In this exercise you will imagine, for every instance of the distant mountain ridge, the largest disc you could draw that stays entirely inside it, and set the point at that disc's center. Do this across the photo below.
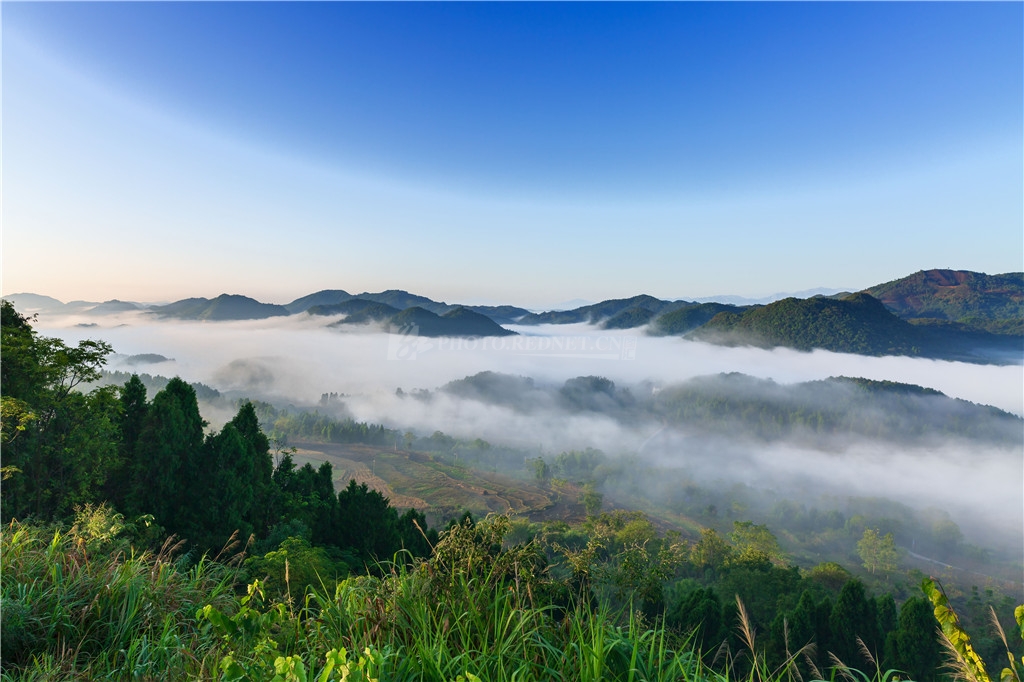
(953, 314)
(993, 303)
(224, 307)
(857, 323)
(599, 312)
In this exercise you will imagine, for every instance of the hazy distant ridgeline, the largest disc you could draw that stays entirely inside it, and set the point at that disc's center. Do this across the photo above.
(735, 404)
(950, 314)
(740, 406)
(824, 413)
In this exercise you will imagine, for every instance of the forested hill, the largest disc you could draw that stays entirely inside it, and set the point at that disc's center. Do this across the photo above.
(948, 314)
(336, 301)
(458, 322)
(641, 308)
(991, 302)
(737, 405)
(858, 323)
(224, 307)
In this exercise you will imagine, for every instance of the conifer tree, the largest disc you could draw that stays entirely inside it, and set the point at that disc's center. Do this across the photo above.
(915, 644)
(260, 514)
(852, 616)
(168, 458)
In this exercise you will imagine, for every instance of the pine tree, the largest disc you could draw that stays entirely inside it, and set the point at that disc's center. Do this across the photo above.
(260, 515)
(852, 616)
(915, 643)
(133, 408)
(168, 459)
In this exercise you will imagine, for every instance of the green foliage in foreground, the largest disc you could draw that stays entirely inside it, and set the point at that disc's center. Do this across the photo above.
(82, 604)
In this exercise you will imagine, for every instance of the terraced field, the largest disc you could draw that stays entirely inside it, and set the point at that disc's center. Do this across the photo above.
(415, 479)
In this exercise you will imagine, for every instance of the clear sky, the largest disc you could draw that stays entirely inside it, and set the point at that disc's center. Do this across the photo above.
(522, 153)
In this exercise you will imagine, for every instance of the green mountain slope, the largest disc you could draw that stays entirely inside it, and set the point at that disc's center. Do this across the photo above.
(340, 302)
(690, 317)
(36, 303)
(113, 307)
(991, 302)
(365, 309)
(402, 300)
(365, 312)
(458, 322)
(856, 324)
(629, 318)
(224, 307)
(741, 405)
(470, 323)
(502, 314)
(601, 311)
(325, 297)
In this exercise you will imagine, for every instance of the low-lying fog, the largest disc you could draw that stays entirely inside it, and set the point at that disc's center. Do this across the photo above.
(299, 359)
(296, 359)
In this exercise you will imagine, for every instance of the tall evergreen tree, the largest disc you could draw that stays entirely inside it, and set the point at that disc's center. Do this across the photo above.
(168, 458)
(852, 616)
(885, 614)
(132, 415)
(367, 523)
(246, 423)
(802, 629)
(227, 489)
(700, 613)
(915, 644)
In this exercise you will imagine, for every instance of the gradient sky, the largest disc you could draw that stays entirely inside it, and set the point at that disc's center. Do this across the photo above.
(521, 153)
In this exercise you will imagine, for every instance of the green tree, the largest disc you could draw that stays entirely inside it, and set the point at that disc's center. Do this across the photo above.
(915, 645)
(886, 615)
(853, 616)
(293, 567)
(416, 536)
(711, 551)
(168, 465)
(947, 535)
(878, 552)
(829, 575)
(541, 469)
(227, 487)
(133, 408)
(699, 613)
(366, 523)
(59, 444)
(807, 623)
(753, 540)
(591, 500)
(259, 467)
(21, 375)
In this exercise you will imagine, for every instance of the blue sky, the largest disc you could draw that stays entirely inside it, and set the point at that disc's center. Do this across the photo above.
(522, 153)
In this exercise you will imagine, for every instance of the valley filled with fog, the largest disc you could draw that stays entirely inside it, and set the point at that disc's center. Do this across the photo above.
(523, 400)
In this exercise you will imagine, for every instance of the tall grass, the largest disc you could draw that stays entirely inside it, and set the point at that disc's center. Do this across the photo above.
(81, 604)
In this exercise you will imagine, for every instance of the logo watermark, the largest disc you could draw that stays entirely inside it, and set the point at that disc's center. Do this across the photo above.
(407, 344)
